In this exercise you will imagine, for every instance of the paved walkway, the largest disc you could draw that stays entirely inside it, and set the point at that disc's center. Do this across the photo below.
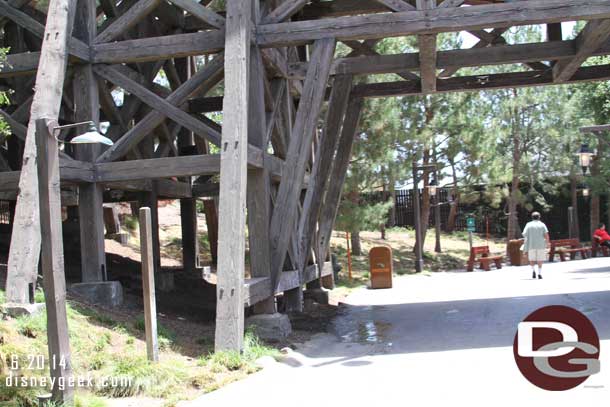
(444, 339)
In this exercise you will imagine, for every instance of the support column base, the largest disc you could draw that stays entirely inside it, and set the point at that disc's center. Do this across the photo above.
(17, 310)
(105, 293)
(270, 327)
(319, 295)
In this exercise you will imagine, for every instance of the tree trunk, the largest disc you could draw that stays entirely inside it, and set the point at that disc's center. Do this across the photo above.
(382, 225)
(453, 209)
(355, 241)
(392, 188)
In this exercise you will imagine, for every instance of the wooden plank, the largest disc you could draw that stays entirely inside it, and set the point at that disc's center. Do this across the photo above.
(25, 241)
(397, 5)
(183, 166)
(481, 82)
(24, 63)
(74, 47)
(52, 253)
(329, 209)
(299, 151)
(130, 18)
(452, 60)
(427, 52)
(201, 12)
(431, 21)
(201, 82)
(159, 104)
(148, 285)
(155, 48)
(91, 196)
(284, 11)
(205, 105)
(320, 172)
(592, 36)
(258, 192)
(451, 3)
(233, 179)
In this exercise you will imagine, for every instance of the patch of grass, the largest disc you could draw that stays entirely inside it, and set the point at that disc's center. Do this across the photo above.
(130, 222)
(87, 400)
(135, 375)
(165, 335)
(39, 295)
(2, 297)
(11, 396)
(232, 360)
(32, 326)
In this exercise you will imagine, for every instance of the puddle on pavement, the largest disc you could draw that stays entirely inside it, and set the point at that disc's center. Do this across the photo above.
(367, 332)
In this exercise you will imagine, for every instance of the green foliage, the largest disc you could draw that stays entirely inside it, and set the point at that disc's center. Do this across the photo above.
(32, 326)
(355, 216)
(166, 336)
(2, 297)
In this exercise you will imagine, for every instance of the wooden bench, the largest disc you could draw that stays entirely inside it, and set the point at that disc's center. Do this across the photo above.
(481, 255)
(567, 246)
(597, 247)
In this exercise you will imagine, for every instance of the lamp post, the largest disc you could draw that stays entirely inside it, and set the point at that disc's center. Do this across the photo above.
(433, 188)
(419, 261)
(51, 256)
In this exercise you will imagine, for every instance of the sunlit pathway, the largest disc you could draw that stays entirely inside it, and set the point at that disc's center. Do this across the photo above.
(445, 338)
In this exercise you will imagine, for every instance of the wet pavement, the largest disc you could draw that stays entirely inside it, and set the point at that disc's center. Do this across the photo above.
(445, 338)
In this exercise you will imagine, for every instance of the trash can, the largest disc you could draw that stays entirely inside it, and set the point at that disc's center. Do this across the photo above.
(516, 257)
(380, 266)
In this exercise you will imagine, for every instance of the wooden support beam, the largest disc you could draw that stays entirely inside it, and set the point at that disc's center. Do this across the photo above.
(397, 5)
(52, 257)
(162, 106)
(74, 47)
(156, 48)
(284, 11)
(130, 18)
(148, 285)
(299, 150)
(201, 82)
(452, 60)
(320, 172)
(427, 52)
(431, 21)
(451, 3)
(259, 182)
(588, 41)
(480, 82)
(233, 179)
(24, 63)
(201, 12)
(25, 241)
(328, 212)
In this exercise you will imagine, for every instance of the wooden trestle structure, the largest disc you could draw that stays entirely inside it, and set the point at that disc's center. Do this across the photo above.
(281, 172)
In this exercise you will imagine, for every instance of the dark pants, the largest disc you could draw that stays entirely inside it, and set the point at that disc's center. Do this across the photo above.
(605, 243)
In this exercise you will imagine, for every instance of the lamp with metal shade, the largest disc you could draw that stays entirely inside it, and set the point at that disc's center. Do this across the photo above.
(433, 186)
(584, 188)
(91, 136)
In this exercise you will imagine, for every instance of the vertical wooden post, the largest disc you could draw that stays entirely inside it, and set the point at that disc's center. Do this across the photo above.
(25, 240)
(52, 258)
(148, 284)
(86, 107)
(233, 178)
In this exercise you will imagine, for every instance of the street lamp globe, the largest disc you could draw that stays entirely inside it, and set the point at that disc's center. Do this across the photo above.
(584, 157)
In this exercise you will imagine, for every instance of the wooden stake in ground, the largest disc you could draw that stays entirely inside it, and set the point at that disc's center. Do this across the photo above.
(148, 284)
(25, 241)
(52, 257)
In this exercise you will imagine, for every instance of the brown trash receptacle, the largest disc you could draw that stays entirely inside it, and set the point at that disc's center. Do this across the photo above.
(517, 258)
(380, 263)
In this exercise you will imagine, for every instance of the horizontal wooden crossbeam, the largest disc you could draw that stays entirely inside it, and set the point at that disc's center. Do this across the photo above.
(431, 21)
(481, 82)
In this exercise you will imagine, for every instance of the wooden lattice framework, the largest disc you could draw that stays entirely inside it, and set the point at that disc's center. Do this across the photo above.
(276, 59)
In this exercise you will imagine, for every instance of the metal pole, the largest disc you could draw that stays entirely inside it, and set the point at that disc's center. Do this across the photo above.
(52, 261)
(419, 262)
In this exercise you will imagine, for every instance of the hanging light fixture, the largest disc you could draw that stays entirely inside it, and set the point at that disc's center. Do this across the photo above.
(91, 136)
(584, 158)
(433, 186)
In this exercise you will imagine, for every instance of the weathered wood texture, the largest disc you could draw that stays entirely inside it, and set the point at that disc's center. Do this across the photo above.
(25, 240)
(52, 259)
(431, 21)
(233, 179)
(299, 150)
(148, 285)
(332, 197)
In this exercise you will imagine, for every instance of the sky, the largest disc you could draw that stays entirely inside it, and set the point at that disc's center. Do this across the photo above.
(469, 40)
